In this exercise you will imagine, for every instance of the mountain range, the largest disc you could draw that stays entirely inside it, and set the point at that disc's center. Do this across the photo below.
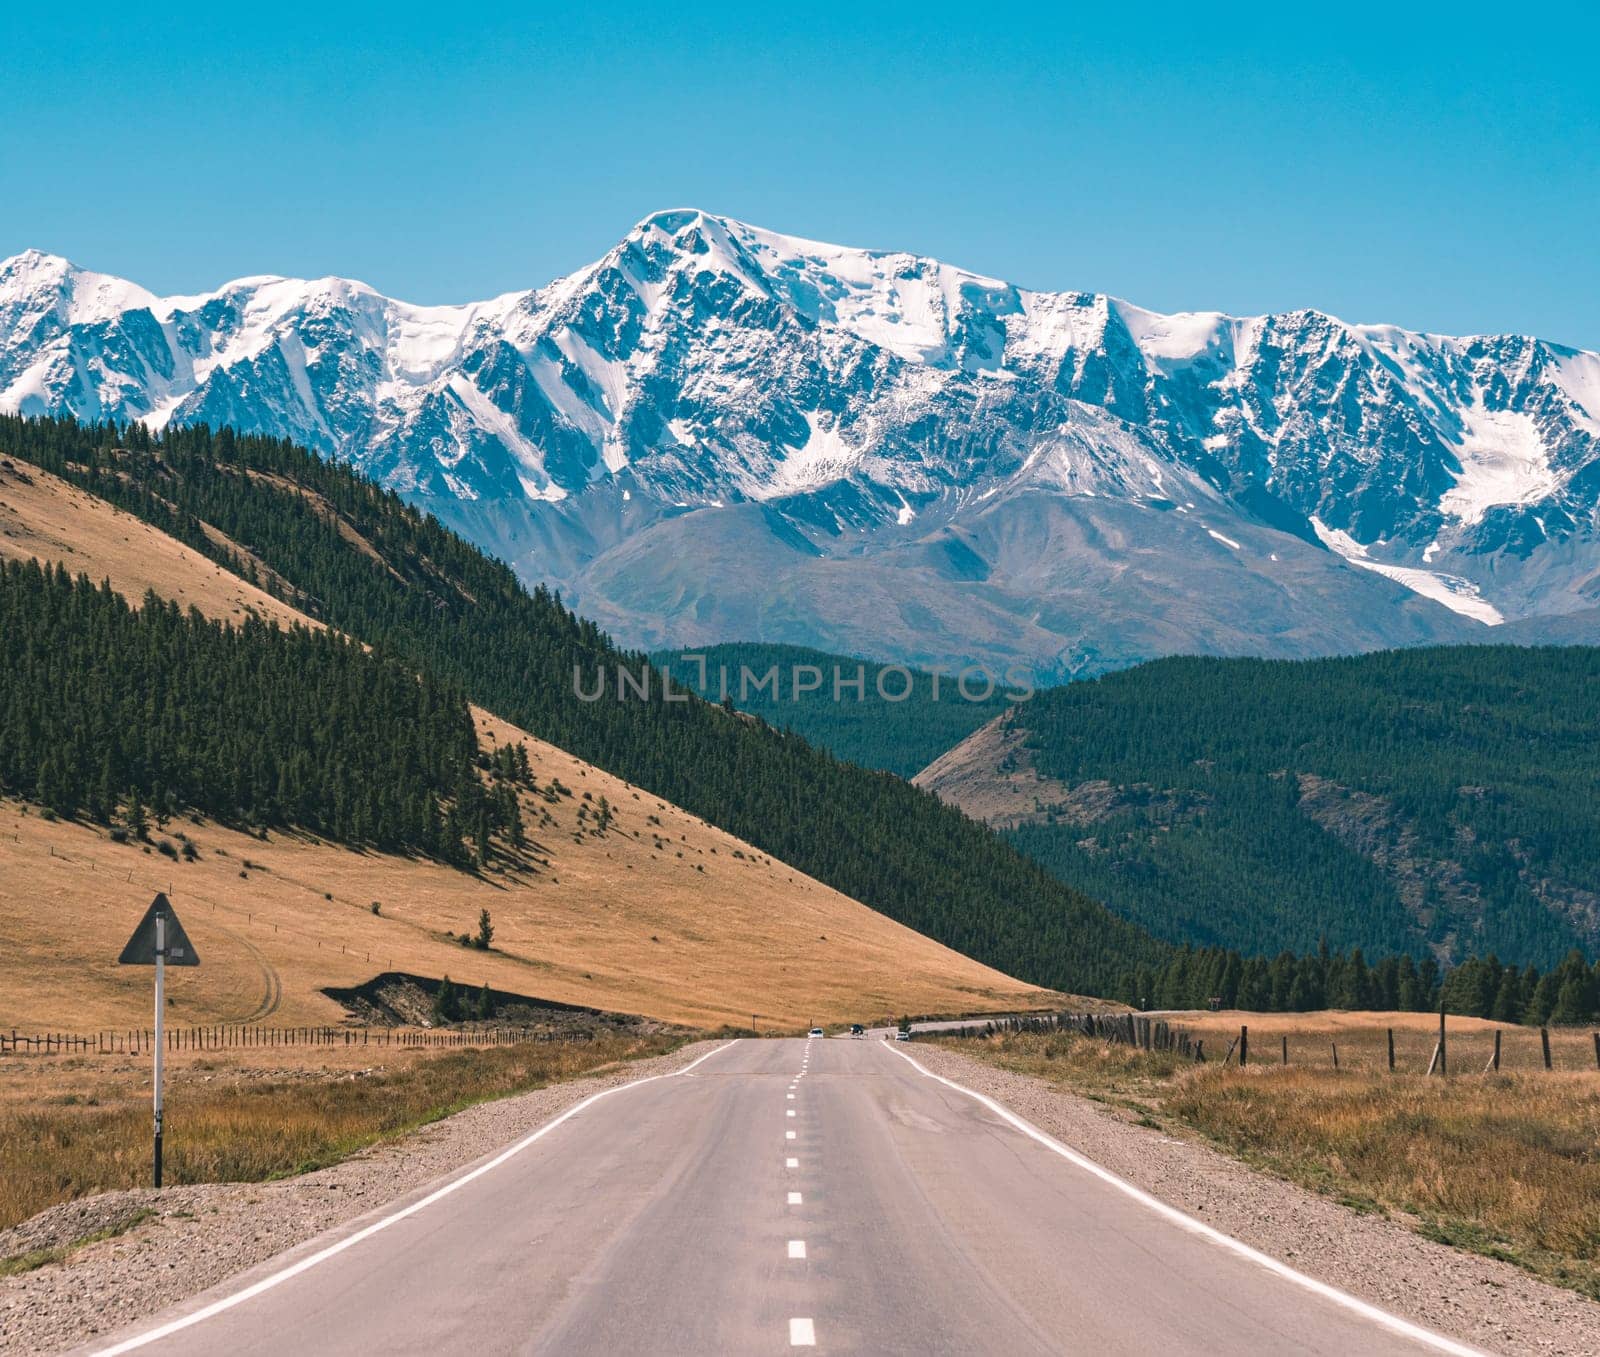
(717, 432)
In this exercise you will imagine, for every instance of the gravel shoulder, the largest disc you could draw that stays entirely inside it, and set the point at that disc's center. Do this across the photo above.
(1494, 1305)
(170, 1245)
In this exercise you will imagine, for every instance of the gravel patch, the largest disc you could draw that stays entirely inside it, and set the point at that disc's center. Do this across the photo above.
(1494, 1305)
(198, 1236)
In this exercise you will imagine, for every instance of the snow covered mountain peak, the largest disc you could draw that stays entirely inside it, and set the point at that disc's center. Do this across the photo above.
(869, 397)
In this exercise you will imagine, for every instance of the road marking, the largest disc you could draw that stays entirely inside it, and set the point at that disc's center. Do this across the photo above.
(797, 1248)
(794, 1199)
(349, 1241)
(1383, 1318)
(791, 1163)
(789, 1113)
(791, 1096)
(788, 1135)
(802, 1333)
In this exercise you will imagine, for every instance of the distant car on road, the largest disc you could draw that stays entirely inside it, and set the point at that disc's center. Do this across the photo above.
(857, 1030)
(816, 1032)
(902, 1035)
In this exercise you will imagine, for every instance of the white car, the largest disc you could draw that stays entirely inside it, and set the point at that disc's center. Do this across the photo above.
(902, 1035)
(816, 1032)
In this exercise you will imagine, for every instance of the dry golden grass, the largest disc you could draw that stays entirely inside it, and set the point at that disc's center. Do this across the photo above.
(1507, 1165)
(664, 915)
(51, 520)
(245, 1127)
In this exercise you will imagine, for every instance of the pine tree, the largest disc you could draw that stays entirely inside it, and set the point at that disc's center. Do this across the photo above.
(445, 1004)
(134, 819)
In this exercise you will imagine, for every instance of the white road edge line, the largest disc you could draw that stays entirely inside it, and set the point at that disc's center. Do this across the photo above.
(306, 1264)
(1378, 1316)
(802, 1333)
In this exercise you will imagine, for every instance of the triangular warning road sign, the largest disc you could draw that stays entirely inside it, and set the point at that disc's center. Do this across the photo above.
(141, 948)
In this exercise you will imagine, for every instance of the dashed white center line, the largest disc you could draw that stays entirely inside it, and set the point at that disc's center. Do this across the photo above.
(789, 1113)
(794, 1199)
(802, 1333)
(791, 1097)
(788, 1135)
(797, 1248)
(791, 1163)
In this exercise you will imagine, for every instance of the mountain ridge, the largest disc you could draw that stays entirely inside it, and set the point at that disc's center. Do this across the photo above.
(846, 420)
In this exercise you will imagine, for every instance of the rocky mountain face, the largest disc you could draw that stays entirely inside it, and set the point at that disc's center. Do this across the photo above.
(716, 432)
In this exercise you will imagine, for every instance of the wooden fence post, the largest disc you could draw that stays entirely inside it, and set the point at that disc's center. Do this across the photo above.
(1286, 1050)
(1597, 1050)
(1494, 1062)
(1244, 1046)
(1391, 1050)
(1544, 1041)
(1444, 1058)
(1335, 1046)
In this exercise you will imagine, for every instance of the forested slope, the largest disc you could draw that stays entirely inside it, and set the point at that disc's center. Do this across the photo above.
(1440, 799)
(356, 557)
(108, 710)
(881, 716)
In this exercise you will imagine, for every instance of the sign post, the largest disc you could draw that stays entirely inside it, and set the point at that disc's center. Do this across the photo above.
(158, 939)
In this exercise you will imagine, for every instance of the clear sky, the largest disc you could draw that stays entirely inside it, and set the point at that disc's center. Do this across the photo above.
(1440, 171)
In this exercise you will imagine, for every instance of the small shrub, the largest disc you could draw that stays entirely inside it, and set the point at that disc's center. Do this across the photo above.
(167, 849)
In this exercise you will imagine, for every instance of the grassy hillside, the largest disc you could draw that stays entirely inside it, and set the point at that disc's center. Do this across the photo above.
(353, 556)
(1440, 799)
(658, 913)
(898, 720)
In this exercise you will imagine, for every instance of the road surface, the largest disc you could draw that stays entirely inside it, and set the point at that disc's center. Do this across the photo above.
(778, 1194)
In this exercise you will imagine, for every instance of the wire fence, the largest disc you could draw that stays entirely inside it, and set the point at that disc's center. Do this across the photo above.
(236, 1036)
(1471, 1049)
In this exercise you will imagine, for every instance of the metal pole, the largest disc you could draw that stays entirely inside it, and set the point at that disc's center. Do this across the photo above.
(161, 986)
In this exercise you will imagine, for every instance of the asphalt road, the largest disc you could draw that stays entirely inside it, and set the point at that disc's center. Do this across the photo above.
(777, 1194)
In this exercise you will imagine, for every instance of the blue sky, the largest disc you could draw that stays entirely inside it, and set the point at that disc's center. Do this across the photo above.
(1439, 171)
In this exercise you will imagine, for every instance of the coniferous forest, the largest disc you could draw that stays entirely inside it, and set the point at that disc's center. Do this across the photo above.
(113, 712)
(1439, 799)
(879, 716)
(1568, 992)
